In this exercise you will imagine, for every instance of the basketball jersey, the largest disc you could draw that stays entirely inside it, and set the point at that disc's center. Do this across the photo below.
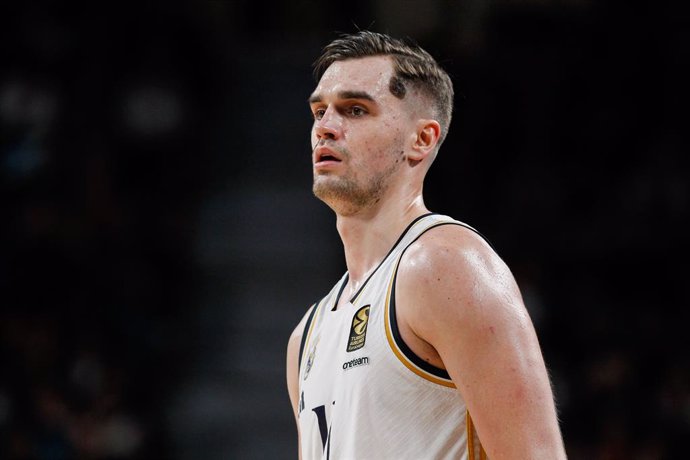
(363, 393)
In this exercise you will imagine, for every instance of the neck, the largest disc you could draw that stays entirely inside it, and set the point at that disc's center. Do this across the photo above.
(368, 235)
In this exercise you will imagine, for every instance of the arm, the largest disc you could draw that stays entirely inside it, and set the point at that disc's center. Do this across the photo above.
(460, 309)
(292, 368)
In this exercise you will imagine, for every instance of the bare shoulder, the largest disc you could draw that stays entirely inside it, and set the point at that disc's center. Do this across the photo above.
(448, 245)
(299, 329)
(296, 336)
(451, 270)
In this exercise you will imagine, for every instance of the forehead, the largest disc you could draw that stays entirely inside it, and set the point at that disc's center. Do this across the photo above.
(370, 74)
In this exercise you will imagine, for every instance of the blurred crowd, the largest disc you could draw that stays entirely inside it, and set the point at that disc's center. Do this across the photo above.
(97, 191)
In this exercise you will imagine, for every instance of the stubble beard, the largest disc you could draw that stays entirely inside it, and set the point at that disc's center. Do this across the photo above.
(347, 196)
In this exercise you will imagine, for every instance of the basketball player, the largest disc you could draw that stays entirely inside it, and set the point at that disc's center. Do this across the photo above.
(424, 349)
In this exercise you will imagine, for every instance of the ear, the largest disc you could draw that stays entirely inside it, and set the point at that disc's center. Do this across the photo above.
(427, 135)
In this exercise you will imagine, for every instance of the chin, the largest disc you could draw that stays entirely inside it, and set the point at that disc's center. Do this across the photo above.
(344, 197)
(325, 185)
(323, 192)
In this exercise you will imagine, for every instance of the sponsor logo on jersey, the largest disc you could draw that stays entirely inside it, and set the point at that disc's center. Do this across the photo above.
(363, 361)
(358, 331)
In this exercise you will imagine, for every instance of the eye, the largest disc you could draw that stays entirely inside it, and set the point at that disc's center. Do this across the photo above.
(318, 113)
(357, 111)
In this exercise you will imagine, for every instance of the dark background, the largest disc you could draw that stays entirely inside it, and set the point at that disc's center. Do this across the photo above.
(159, 240)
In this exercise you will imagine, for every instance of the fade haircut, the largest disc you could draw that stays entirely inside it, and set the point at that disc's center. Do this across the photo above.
(412, 66)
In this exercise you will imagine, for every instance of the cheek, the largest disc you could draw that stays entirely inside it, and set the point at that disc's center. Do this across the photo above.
(388, 144)
(394, 131)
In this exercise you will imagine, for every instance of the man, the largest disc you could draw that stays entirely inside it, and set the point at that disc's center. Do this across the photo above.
(424, 348)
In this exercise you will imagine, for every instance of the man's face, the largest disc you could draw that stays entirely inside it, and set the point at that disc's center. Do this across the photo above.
(359, 133)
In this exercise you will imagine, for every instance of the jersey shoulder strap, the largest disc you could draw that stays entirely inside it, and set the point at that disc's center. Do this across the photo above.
(310, 318)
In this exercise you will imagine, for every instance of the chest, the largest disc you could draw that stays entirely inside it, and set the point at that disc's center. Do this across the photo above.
(346, 349)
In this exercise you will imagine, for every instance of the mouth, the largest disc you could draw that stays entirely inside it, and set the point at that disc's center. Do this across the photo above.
(324, 155)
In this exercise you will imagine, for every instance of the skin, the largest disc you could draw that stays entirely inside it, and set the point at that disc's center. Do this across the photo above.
(458, 306)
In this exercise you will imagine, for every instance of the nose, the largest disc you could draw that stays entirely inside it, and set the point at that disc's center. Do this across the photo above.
(329, 126)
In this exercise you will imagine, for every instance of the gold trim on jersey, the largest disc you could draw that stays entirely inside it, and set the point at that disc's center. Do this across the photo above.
(394, 346)
(472, 438)
(307, 342)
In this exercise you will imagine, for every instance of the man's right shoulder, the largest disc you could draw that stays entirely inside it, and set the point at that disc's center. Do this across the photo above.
(447, 243)
(298, 332)
(295, 346)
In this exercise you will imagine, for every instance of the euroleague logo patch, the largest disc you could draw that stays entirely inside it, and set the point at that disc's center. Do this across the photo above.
(358, 330)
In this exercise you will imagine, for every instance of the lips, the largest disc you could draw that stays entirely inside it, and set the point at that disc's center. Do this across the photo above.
(323, 155)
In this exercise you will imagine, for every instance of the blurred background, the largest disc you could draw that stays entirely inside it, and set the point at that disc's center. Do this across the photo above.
(159, 240)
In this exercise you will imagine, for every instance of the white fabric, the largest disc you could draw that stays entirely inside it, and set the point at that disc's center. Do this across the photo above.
(375, 406)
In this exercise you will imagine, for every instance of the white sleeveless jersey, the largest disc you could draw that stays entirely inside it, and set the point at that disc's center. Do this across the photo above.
(363, 393)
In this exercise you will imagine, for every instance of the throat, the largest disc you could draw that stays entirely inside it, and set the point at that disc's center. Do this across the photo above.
(352, 286)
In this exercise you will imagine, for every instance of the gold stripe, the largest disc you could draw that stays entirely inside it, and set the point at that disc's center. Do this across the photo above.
(472, 443)
(391, 342)
(305, 352)
(470, 436)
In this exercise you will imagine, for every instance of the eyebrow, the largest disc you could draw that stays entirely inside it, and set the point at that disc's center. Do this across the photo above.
(344, 95)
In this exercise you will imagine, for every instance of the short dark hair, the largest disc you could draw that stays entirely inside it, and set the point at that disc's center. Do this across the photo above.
(412, 66)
